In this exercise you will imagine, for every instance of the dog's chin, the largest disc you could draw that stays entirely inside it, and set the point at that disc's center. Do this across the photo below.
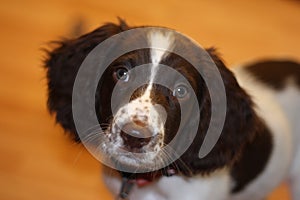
(124, 159)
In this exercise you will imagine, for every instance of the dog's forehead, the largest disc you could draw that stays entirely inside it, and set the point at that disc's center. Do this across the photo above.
(161, 44)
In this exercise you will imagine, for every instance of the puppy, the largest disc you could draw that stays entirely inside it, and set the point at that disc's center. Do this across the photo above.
(256, 150)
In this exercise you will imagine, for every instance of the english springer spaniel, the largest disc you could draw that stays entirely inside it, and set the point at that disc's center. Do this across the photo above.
(258, 147)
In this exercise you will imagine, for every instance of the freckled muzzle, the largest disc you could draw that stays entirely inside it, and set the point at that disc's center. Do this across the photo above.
(139, 126)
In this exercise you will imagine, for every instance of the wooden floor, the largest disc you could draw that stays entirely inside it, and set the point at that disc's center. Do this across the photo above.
(37, 160)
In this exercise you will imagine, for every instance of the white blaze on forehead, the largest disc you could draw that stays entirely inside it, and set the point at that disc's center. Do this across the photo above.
(160, 43)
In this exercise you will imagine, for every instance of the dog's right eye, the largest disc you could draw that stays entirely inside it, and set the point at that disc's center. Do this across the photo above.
(121, 74)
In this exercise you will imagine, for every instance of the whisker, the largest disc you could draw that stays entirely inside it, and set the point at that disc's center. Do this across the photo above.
(91, 136)
(165, 158)
(78, 155)
(94, 132)
(184, 165)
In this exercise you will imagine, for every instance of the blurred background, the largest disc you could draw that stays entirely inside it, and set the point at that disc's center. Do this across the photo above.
(37, 160)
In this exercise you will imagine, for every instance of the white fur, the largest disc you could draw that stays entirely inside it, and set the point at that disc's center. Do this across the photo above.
(213, 187)
(289, 99)
(161, 43)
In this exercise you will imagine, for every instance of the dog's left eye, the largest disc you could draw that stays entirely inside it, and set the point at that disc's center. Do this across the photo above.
(121, 74)
(181, 91)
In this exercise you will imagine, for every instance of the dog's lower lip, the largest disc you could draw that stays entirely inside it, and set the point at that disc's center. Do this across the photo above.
(131, 150)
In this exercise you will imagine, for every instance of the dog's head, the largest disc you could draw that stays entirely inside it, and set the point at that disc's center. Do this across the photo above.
(150, 119)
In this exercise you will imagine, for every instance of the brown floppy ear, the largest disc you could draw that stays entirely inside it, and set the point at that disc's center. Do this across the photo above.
(241, 125)
(62, 66)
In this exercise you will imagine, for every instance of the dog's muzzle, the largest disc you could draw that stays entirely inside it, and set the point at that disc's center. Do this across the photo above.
(135, 135)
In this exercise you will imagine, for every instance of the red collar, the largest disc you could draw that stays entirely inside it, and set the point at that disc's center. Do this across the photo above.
(145, 179)
(141, 180)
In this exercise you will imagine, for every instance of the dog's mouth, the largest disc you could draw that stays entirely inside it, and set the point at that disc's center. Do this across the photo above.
(133, 146)
(137, 138)
(141, 180)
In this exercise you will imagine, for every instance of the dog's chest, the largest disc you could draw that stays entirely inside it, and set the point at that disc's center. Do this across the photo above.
(273, 114)
(215, 186)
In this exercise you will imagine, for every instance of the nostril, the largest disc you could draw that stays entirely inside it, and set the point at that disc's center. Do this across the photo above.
(135, 136)
(138, 122)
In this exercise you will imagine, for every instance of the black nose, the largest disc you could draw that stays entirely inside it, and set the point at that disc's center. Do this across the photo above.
(135, 136)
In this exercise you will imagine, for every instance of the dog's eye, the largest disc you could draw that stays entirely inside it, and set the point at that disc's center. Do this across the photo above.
(121, 74)
(181, 91)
